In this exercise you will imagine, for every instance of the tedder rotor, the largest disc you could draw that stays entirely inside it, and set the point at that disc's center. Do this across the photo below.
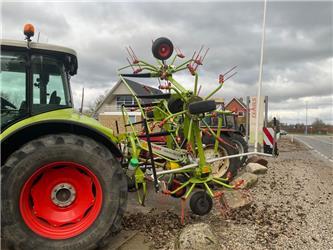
(178, 164)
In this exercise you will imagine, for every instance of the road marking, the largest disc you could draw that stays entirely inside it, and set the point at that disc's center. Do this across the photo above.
(305, 143)
(315, 150)
(317, 139)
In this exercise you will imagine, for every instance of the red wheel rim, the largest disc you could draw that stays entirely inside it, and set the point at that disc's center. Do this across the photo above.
(164, 50)
(61, 200)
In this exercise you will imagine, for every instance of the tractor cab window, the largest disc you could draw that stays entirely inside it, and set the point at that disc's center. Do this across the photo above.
(230, 121)
(50, 84)
(13, 86)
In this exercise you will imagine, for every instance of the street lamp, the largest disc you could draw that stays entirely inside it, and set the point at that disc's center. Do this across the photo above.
(306, 118)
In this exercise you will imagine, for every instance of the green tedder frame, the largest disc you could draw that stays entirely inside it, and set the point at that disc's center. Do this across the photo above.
(184, 150)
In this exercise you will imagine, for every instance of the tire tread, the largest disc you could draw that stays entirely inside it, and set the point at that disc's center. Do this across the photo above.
(88, 145)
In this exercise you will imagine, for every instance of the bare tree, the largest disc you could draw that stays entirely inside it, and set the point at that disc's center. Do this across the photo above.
(92, 107)
(318, 123)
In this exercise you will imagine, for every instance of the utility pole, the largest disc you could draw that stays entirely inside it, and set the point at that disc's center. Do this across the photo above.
(306, 118)
(247, 119)
(260, 79)
(266, 111)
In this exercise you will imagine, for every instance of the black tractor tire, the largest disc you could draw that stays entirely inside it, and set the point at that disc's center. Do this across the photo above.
(201, 107)
(201, 203)
(162, 48)
(242, 146)
(27, 161)
(229, 148)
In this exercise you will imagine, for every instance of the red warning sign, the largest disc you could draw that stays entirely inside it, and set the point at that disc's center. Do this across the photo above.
(269, 136)
(269, 141)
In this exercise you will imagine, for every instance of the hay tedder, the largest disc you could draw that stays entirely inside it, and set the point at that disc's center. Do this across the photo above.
(178, 116)
(65, 177)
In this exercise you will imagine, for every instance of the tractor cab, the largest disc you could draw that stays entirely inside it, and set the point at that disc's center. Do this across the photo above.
(59, 168)
(34, 78)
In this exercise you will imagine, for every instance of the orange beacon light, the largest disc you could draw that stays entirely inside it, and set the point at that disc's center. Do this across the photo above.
(29, 30)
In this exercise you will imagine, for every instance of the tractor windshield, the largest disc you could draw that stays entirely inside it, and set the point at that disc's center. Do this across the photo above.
(50, 84)
(49, 87)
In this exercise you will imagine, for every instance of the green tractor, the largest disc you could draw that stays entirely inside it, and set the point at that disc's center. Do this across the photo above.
(62, 183)
(231, 132)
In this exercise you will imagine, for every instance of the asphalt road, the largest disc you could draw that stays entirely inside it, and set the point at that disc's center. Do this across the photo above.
(323, 145)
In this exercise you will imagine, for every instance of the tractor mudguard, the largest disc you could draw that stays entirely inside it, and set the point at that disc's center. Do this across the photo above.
(18, 137)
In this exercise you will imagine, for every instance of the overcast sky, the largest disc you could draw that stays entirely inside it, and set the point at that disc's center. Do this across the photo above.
(298, 60)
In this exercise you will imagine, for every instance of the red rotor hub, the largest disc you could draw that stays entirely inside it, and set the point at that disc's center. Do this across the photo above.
(164, 50)
(61, 200)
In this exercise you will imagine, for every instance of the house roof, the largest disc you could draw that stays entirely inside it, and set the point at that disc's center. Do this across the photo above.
(241, 103)
(141, 89)
(138, 89)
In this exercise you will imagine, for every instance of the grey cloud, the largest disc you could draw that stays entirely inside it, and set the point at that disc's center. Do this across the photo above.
(298, 40)
(48, 19)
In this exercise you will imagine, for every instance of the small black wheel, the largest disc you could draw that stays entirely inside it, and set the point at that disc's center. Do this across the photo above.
(176, 183)
(175, 104)
(162, 48)
(201, 107)
(201, 203)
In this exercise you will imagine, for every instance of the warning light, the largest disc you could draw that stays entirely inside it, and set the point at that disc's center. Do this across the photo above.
(29, 30)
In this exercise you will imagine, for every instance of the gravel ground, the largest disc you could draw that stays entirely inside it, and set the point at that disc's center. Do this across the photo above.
(292, 209)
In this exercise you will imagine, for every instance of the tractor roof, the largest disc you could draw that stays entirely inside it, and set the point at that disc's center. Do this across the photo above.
(40, 46)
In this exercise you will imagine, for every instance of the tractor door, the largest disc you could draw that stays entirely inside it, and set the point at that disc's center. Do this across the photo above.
(21, 96)
(13, 91)
(50, 84)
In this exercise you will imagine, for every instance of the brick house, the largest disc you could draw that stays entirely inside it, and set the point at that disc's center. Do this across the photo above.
(109, 110)
(238, 107)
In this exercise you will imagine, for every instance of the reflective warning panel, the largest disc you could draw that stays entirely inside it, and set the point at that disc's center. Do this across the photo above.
(269, 140)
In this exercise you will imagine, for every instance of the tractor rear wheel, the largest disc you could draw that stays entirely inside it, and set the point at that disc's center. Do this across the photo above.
(226, 167)
(61, 192)
(241, 145)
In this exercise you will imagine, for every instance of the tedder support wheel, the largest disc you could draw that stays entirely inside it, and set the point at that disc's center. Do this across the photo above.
(201, 107)
(225, 167)
(162, 48)
(241, 145)
(61, 192)
(201, 203)
(175, 104)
